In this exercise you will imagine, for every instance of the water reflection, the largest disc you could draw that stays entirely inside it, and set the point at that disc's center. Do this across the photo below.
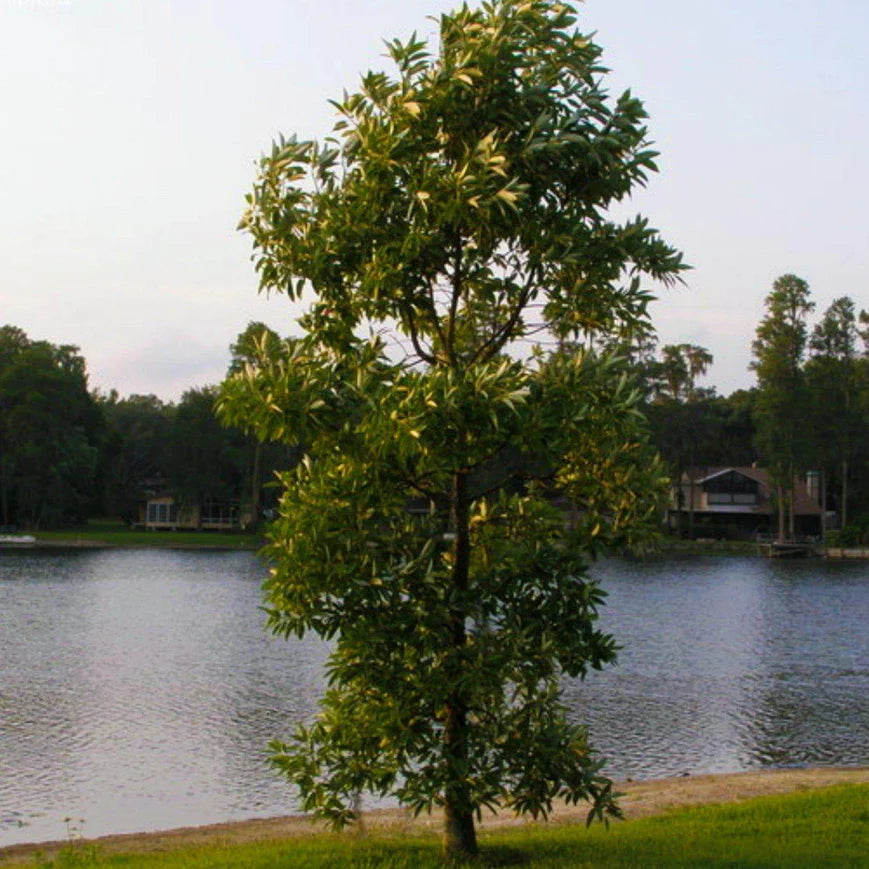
(731, 664)
(138, 689)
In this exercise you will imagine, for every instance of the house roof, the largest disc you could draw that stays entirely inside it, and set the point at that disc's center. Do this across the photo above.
(704, 474)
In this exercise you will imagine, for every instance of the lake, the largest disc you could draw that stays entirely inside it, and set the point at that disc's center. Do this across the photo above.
(139, 690)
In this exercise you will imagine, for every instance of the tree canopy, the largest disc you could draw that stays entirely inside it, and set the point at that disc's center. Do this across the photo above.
(459, 207)
(50, 428)
(779, 349)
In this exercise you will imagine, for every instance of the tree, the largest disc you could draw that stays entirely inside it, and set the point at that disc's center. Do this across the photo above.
(49, 430)
(779, 348)
(134, 456)
(734, 429)
(460, 206)
(256, 341)
(678, 370)
(832, 384)
(205, 461)
(679, 414)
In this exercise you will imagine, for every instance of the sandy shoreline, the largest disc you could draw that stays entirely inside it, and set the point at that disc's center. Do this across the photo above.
(640, 799)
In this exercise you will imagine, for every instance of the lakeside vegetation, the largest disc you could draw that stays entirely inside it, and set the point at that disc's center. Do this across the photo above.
(111, 533)
(68, 454)
(821, 828)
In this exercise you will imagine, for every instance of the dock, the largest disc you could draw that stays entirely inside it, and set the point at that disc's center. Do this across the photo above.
(786, 549)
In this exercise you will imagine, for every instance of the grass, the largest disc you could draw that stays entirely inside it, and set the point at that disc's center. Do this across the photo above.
(819, 828)
(112, 533)
(708, 547)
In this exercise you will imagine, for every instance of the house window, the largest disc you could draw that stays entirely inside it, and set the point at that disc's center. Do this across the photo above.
(161, 513)
(731, 488)
(719, 498)
(223, 515)
(744, 498)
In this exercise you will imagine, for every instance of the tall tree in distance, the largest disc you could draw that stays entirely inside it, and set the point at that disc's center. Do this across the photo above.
(254, 342)
(832, 380)
(679, 415)
(678, 370)
(779, 348)
(460, 206)
(257, 341)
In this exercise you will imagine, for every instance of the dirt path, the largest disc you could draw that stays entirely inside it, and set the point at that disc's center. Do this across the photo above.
(640, 799)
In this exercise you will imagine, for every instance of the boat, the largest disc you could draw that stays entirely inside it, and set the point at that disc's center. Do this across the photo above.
(17, 540)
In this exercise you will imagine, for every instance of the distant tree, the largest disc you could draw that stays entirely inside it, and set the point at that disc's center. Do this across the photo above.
(12, 342)
(678, 370)
(863, 331)
(861, 468)
(254, 343)
(463, 205)
(832, 384)
(135, 451)
(679, 414)
(49, 430)
(206, 462)
(779, 349)
(733, 428)
(257, 340)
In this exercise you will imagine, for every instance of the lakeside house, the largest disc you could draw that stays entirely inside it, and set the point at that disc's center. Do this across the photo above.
(164, 513)
(739, 502)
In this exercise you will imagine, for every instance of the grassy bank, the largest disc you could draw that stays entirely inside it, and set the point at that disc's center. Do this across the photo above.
(704, 546)
(111, 533)
(817, 828)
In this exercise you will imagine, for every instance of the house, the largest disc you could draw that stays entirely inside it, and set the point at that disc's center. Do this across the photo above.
(738, 502)
(163, 512)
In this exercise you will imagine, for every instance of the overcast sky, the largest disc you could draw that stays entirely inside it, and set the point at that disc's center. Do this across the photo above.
(129, 130)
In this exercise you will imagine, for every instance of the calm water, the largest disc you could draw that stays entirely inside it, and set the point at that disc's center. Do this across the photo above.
(138, 689)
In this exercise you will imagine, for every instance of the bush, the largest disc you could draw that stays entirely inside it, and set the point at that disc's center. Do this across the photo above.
(850, 535)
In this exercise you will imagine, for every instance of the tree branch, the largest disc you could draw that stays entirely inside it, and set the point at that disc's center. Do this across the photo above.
(499, 338)
(454, 301)
(436, 322)
(423, 354)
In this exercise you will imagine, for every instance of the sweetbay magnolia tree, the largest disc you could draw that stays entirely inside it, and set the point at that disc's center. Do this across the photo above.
(459, 207)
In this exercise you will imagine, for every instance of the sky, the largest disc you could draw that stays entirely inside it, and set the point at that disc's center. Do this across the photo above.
(130, 132)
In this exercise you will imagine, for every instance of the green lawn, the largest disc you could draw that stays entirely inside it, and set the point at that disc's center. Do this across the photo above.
(113, 533)
(816, 828)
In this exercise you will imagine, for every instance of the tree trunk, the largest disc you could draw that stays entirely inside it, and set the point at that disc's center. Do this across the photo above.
(255, 484)
(781, 514)
(844, 521)
(460, 837)
(5, 496)
(691, 505)
(823, 476)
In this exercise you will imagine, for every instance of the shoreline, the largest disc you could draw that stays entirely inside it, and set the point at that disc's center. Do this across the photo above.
(104, 544)
(639, 799)
(671, 547)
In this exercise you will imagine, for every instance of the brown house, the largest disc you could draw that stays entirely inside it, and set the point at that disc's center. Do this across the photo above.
(738, 501)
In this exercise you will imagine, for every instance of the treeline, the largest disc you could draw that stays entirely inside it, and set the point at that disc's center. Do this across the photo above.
(808, 413)
(68, 453)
